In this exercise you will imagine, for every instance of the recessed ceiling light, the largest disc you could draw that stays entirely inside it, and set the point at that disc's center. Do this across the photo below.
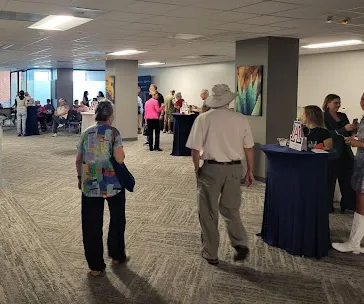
(332, 44)
(152, 63)
(126, 53)
(58, 23)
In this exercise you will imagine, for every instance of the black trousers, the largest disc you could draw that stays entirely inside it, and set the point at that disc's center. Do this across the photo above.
(92, 222)
(43, 124)
(153, 125)
(342, 170)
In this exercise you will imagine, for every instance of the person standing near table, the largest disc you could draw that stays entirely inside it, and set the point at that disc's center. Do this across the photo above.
(204, 94)
(179, 102)
(152, 113)
(21, 109)
(357, 229)
(314, 129)
(225, 139)
(340, 168)
(169, 109)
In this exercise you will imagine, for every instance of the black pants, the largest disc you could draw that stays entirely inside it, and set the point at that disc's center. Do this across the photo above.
(153, 125)
(342, 170)
(92, 222)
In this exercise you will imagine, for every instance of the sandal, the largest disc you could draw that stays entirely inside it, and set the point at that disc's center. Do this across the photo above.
(96, 273)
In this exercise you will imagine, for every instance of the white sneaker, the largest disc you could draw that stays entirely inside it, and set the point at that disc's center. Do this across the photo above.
(60, 126)
(54, 135)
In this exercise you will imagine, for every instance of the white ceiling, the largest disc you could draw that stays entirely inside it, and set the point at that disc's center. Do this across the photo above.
(149, 25)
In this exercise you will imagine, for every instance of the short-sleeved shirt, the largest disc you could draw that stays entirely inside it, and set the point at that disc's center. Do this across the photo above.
(221, 135)
(98, 175)
(169, 106)
(316, 134)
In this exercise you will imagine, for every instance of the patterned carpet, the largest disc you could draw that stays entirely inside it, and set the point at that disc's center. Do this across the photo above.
(41, 253)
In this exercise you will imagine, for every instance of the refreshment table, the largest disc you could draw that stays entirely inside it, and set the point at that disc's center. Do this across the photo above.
(88, 119)
(182, 127)
(296, 215)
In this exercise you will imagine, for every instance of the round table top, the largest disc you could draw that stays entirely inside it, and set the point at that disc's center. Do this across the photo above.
(88, 113)
(286, 150)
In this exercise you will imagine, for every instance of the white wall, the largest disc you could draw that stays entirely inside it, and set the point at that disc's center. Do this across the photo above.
(190, 80)
(339, 73)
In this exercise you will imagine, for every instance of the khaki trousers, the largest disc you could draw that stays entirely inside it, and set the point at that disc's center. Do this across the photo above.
(219, 190)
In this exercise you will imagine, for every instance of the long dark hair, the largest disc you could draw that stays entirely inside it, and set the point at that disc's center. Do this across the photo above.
(85, 95)
(328, 99)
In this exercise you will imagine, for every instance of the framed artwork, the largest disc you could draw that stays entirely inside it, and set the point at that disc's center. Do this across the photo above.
(110, 88)
(249, 88)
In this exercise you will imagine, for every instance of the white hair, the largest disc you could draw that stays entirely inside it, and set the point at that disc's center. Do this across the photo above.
(204, 91)
(178, 95)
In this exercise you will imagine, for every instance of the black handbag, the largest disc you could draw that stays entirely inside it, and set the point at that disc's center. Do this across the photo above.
(126, 179)
(146, 131)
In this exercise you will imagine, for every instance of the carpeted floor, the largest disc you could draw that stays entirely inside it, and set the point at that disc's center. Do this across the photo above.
(41, 253)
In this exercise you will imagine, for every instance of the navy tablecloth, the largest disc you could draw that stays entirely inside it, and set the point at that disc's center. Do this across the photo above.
(182, 128)
(32, 121)
(296, 216)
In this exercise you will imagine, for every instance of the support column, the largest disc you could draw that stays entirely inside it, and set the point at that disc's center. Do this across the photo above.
(63, 86)
(279, 58)
(126, 92)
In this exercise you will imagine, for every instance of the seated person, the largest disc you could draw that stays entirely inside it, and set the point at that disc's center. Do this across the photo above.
(314, 130)
(75, 104)
(60, 116)
(49, 111)
(82, 107)
(41, 111)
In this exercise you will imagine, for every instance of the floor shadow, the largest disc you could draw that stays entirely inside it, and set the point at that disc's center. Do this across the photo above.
(289, 285)
(141, 290)
(102, 291)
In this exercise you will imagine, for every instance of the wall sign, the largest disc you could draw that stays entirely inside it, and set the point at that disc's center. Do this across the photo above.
(297, 140)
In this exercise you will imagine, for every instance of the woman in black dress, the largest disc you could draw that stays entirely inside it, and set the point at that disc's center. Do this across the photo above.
(341, 167)
(314, 129)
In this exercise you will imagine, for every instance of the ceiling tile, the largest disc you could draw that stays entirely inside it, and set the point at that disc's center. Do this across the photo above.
(235, 27)
(110, 5)
(150, 7)
(125, 17)
(231, 16)
(264, 29)
(36, 8)
(193, 12)
(268, 7)
(264, 20)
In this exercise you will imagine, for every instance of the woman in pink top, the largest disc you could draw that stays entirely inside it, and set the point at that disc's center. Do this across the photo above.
(152, 115)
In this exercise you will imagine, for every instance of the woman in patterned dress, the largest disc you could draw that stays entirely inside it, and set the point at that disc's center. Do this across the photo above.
(357, 230)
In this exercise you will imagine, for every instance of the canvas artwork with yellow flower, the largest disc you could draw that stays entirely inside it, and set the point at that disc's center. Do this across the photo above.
(110, 88)
(249, 88)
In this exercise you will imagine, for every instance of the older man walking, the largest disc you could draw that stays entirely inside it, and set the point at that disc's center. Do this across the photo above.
(223, 140)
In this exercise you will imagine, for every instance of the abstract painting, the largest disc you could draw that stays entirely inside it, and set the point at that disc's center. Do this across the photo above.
(110, 88)
(249, 88)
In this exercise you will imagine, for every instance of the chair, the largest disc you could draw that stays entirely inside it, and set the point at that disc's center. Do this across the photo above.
(74, 118)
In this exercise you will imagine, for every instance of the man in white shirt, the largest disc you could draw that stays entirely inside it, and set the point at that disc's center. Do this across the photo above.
(223, 140)
(60, 116)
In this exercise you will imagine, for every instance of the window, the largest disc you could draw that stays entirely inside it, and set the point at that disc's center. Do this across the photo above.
(39, 84)
(91, 81)
(14, 86)
(5, 89)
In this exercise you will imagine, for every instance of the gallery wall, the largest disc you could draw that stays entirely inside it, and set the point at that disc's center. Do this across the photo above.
(340, 73)
(190, 80)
